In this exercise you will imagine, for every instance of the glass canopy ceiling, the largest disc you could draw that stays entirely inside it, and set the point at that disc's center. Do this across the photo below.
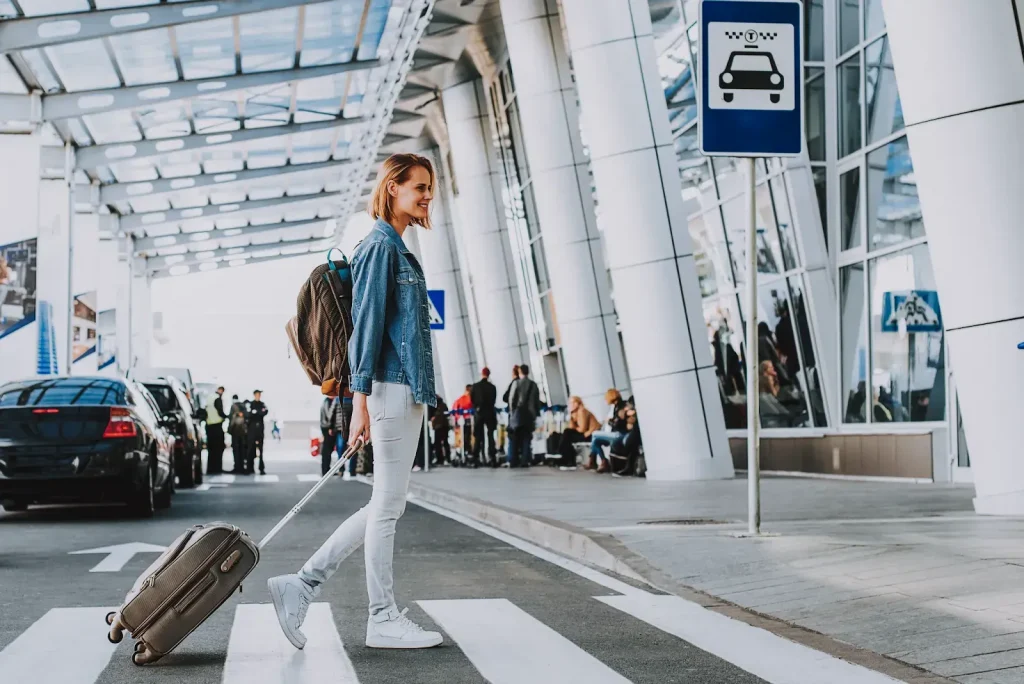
(205, 121)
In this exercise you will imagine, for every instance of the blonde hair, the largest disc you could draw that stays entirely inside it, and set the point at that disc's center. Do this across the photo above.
(612, 396)
(397, 168)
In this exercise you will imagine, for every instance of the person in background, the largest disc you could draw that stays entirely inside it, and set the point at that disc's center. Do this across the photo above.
(330, 435)
(342, 417)
(215, 418)
(484, 396)
(465, 403)
(523, 407)
(613, 433)
(236, 428)
(439, 422)
(254, 429)
(275, 430)
(581, 427)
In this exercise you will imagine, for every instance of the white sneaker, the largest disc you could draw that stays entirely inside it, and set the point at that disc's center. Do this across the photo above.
(391, 629)
(416, 469)
(346, 476)
(291, 596)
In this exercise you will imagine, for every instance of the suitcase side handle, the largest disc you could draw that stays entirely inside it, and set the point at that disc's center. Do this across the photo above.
(349, 453)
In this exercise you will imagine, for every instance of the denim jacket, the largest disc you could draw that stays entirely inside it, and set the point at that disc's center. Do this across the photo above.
(390, 316)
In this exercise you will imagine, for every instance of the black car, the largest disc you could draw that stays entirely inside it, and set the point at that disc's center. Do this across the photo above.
(177, 413)
(751, 71)
(82, 439)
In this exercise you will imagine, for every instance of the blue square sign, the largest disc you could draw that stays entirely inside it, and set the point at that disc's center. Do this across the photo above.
(751, 78)
(436, 299)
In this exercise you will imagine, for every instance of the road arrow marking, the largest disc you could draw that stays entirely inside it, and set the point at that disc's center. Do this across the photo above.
(206, 486)
(119, 554)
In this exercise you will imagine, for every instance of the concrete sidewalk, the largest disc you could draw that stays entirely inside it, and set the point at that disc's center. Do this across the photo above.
(904, 570)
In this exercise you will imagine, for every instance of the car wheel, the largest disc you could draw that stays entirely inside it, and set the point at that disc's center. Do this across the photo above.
(15, 505)
(187, 475)
(143, 503)
(162, 499)
(727, 97)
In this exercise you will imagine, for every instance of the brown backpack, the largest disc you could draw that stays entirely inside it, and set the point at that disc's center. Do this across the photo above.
(321, 328)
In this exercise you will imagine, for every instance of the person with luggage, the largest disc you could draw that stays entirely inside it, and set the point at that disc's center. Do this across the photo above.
(236, 428)
(392, 379)
(582, 425)
(484, 396)
(255, 431)
(463, 409)
(614, 432)
(523, 408)
(438, 417)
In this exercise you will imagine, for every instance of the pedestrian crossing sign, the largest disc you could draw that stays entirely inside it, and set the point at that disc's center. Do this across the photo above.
(436, 299)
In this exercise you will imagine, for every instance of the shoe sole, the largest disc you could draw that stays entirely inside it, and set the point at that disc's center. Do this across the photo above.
(275, 596)
(398, 644)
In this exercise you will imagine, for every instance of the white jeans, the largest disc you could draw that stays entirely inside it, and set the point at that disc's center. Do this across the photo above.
(395, 423)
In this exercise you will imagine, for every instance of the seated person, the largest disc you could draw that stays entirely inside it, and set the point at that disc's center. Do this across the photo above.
(613, 433)
(582, 426)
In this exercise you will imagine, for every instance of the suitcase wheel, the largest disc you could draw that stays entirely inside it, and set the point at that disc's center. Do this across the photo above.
(142, 654)
(115, 635)
(110, 617)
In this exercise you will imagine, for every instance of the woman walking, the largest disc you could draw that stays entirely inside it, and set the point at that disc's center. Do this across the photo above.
(392, 380)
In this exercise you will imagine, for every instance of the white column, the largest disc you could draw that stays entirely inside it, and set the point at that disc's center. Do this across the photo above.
(483, 229)
(640, 213)
(559, 169)
(965, 124)
(452, 345)
(141, 318)
(19, 206)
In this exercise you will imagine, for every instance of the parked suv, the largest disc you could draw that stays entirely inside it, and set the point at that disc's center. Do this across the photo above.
(178, 417)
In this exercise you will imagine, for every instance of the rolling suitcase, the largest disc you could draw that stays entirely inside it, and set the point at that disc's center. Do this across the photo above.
(195, 575)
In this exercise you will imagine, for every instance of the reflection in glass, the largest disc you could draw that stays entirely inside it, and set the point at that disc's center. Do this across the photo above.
(815, 113)
(709, 251)
(849, 105)
(907, 359)
(780, 387)
(849, 24)
(894, 209)
(874, 20)
(768, 255)
(853, 324)
(784, 219)
(821, 190)
(802, 351)
(725, 335)
(885, 114)
(540, 265)
(849, 206)
(814, 30)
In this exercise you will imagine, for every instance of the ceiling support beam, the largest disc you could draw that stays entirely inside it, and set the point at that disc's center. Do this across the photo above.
(151, 244)
(92, 156)
(194, 258)
(25, 33)
(133, 222)
(68, 105)
(116, 192)
(165, 272)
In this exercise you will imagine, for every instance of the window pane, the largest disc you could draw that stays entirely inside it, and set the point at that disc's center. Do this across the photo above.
(885, 115)
(814, 30)
(540, 265)
(849, 203)
(816, 114)
(908, 371)
(854, 352)
(821, 190)
(849, 106)
(849, 24)
(709, 252)
(725, 334)
(769, 253)
(874, 20)
(894, 209)
(808, 359)
(780, 391)
(735, 214)
(784, 218)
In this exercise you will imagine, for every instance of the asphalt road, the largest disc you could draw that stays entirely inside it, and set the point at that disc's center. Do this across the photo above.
(507, 615)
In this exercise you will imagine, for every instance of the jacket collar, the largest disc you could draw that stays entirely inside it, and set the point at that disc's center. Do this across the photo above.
(391, 234)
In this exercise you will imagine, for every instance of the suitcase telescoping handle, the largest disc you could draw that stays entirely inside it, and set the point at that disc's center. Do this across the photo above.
(349, 453)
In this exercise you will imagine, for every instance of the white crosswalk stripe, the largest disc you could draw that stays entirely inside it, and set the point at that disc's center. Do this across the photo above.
(474, 623)
(266, 478)
(65, 646)
(259, 652)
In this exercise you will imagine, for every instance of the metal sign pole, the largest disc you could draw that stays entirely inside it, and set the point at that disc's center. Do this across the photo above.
(753, 395)
(426, 441)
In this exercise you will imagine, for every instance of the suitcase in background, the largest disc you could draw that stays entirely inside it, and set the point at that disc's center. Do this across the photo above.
(195, 575)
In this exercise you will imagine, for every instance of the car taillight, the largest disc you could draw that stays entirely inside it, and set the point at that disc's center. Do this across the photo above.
(50, 410)
(121, 424)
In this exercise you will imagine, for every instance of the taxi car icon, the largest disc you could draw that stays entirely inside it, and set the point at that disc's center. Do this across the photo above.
(751, 71)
